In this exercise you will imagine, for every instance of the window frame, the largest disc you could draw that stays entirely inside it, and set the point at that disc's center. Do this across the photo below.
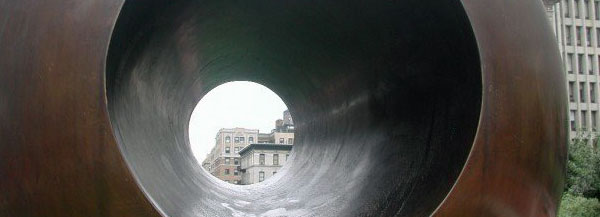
(582, 92)
(261, 176)
(592, 90)
(261, 159)
(573, 120)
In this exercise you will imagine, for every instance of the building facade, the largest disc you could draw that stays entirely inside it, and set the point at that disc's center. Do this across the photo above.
(283, 132)
(223, 161)
(262, 161)
(576, 24)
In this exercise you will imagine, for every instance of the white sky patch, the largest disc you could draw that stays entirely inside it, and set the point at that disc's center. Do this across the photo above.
(234, 104)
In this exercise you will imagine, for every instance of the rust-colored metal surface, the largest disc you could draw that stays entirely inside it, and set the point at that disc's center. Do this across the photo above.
(403, 108)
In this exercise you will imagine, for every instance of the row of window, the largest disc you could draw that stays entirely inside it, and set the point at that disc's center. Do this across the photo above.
(585, 92)
(239, 139)
(236, 150)
(581, 122)
(236, 161)
(579, 33)
(261, 176)
(235, 172)
(290, 141)
(261, 159)
(579, 7)
(584, 65)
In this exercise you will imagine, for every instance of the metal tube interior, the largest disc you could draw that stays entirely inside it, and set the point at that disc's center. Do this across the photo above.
(386, 97)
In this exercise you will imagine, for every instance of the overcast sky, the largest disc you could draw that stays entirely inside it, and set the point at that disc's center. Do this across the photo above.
(234, 104)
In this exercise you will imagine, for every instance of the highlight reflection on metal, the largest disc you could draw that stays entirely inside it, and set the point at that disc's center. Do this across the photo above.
(403, 108)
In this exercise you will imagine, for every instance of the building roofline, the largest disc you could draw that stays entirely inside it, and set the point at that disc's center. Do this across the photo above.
(269, 146)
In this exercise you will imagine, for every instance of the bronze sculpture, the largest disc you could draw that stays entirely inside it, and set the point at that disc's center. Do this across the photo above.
(406, 108)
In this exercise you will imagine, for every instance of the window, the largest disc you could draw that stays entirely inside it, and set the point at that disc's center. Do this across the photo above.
(594, 120)
(242, 139)
(597, 9)
(599, 58)
(250, 139)
(593, 63)
(236, 150)
(261, 176)
(227, 139)
(227, 150)
(587, 9)
(290, 141)
(275, 159)
(571, 91)
(236, 161)
(578, 35)
(236, 172)
(582, 92)
(588, 36)
(261, 159)
(568, 35)
(576, 7)
(567, 8)
(569, 63)
(572, 120)
(281, 140)
(226, 171)
(590, 64)
(227, 161)
(584, 120)
(580, 63)
(597, 37)
(236, 139)
(274, 172)
(286, 157)
(593, 92)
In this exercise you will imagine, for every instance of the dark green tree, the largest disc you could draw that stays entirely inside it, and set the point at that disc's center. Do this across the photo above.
(582, 190)
(577, 206)
(583, 173)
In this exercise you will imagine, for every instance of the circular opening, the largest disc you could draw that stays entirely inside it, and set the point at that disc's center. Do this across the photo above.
(241, 132)
(385, 95)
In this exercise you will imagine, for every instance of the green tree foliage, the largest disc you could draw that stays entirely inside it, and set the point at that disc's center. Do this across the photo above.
(583, 173)
(582, 190)
(577, 206)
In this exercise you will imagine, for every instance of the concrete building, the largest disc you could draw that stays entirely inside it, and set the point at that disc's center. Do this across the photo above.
(261, 161)
(283, 132)
(223, 160)
(576, 24)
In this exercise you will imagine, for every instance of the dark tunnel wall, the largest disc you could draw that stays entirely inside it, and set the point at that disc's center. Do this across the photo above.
(385, 95)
